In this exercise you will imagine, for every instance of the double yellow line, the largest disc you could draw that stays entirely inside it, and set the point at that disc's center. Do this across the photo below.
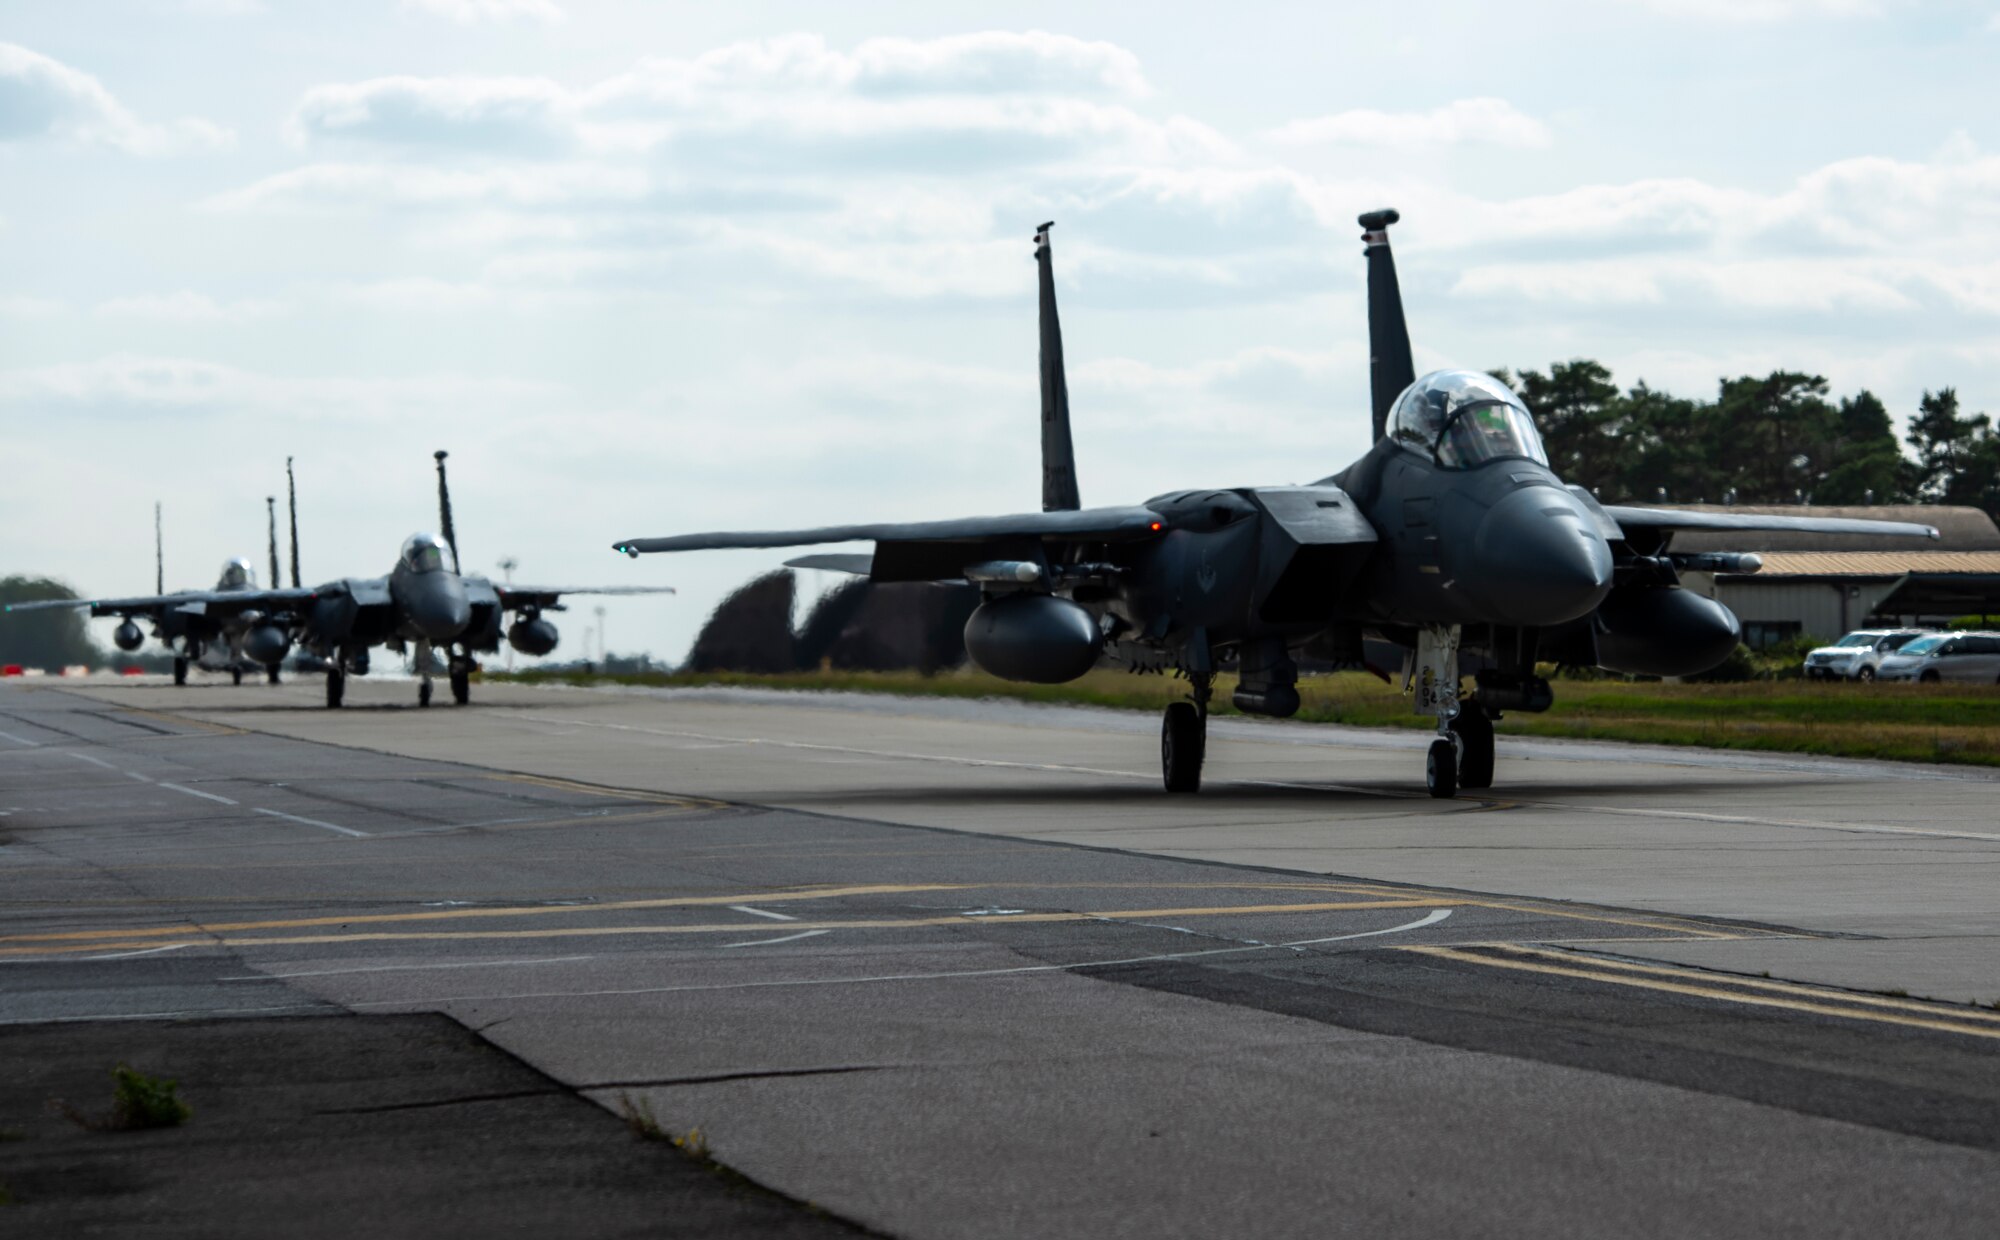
(1751, 991)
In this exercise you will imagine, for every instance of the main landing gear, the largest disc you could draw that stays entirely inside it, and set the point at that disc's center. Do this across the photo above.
(461, 681)
(235, 675)
(1184, 736)
(336, 685)
(271, 673)
(180, 671)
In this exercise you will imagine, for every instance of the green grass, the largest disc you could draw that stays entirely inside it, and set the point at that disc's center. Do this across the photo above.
(1905, 722)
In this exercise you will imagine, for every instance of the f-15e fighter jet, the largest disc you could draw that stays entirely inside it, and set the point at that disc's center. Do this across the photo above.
(1451, 535)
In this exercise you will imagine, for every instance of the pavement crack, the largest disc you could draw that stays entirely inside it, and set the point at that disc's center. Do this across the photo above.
(508, 1096)
(716, 1078)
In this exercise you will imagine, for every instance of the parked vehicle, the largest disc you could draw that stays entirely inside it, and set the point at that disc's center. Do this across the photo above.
(1968, 657)
(1857, 656)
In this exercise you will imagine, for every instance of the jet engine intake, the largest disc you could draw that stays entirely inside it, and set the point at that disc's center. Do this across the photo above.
(266, 643)
(534, 636)
(1033, 637)
(128, 636)
(1663, 631)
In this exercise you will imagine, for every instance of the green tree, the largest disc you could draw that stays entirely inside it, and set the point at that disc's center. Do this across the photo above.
(52, 639)
(1780, 432)
(1958, 457)
(1665, 446)
(1577, 410)
(1867, 464)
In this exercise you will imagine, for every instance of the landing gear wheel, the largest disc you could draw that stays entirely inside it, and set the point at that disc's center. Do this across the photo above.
(1183, 744)
(271, 673)
(1475, 744)
(1441, 768)
(461, 685)
(424, 692)
(336, 687)
(180, 671)
(235, 675)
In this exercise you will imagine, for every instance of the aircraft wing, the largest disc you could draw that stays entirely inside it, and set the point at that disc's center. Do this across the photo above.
(209, 601)
(1677, 519)
(515, 597)
(1076, 525)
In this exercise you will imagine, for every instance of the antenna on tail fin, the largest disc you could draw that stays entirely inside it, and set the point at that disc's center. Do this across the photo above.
(159, 554)
(1059, 490)
(1390, 368)
(444, 514)
(292, 488)
(271, 514)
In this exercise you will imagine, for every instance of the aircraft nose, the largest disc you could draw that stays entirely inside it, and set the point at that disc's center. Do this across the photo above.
(441, 612)
(1538, 559)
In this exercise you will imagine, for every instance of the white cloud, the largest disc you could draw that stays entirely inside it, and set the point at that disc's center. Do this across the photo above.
(44, 98)
(1741, 12)
(1463, 122)
(523, 116)
(184, 307)
(471, 12)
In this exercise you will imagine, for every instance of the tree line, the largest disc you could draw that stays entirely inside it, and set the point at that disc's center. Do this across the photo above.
(1780, 439)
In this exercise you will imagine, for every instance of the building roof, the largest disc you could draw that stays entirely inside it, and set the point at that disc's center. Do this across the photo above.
(1872, 563)
(1959, 529)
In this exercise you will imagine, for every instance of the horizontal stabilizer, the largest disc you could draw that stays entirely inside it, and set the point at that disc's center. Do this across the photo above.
(1678, 519)
(836, 562)
(1082, 525)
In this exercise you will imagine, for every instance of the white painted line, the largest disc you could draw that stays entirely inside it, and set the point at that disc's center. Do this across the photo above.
(21, 740)
(400, 968)
(144, 779)
(1428, 919)
(803, 934)
(151, 951)
(84, 757)
(1749, 820)
(761, 912)
(310, 822)
(196, 792)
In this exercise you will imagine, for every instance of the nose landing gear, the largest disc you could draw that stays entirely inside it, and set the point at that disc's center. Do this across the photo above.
(1184, 736)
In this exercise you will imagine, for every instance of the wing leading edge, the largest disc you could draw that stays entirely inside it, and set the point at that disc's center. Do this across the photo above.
(1086, 524)
(159, 604)
(1680, 519)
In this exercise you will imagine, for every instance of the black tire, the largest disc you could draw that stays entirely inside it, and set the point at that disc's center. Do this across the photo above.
(424, 692)
(461, 685)
(235, 675)
(1183, 745)
(1475, 750)
(1441, 768)
(1930, 678)
(336, 687)
(271, 674)
(180, 671)
(1865, 675)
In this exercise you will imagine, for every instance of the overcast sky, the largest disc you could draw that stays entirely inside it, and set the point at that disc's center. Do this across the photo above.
(647, 269)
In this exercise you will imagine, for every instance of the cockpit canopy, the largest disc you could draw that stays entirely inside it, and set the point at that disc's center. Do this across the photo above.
(423, 553)
(238, 575)
(1462, 418)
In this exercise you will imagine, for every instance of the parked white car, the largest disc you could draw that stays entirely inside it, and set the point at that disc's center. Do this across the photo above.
(1968, 657)
(1859, 655)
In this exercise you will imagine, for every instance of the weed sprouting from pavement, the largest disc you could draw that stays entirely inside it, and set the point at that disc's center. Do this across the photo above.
(694, 1145)
(638, 1116)
(138, 1102)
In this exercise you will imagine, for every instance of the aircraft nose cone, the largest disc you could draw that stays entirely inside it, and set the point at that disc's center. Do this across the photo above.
(1538, 559)
(441, 614)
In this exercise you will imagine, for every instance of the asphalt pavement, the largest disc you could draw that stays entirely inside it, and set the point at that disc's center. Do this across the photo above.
(961, 970)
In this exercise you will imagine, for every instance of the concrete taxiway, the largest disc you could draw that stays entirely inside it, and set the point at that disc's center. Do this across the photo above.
(957, 969)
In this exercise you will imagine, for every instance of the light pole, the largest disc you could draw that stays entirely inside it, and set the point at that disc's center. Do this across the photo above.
(602, 653)
(507, 566)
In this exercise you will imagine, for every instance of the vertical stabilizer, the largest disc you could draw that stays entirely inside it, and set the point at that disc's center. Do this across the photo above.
(444, 514)
(1059, 490)
(159, 554)
(292, 491)
(271, 517)
(1390, 368)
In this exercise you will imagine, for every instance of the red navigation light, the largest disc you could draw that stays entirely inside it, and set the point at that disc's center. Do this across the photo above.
(1156, 527)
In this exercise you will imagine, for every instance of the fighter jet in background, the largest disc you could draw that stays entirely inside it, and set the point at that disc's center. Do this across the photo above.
(423, 609)
(1450, 536)
(234, 628)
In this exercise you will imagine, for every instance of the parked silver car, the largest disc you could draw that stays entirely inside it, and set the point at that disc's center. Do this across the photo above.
(1971, 657)
(1859, 655)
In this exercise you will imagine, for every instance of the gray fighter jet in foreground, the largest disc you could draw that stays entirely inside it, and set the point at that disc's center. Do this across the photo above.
(1450, 536)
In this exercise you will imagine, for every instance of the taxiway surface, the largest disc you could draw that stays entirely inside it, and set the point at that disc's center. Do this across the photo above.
(961, 970)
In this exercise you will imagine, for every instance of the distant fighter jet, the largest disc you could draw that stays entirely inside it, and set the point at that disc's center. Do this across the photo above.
(1450, 535)
(232, 628)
